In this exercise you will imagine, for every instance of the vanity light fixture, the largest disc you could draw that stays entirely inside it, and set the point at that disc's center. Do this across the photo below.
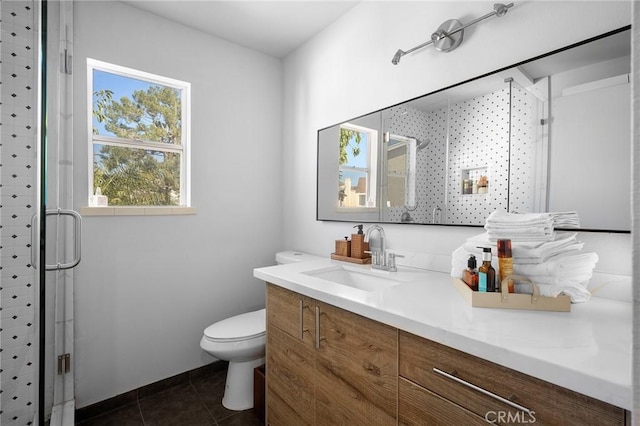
(448, 36)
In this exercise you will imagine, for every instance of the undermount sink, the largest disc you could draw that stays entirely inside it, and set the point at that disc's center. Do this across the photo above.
(366, 280)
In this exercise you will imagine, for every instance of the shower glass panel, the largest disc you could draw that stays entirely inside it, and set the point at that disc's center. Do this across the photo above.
(61, 229)
(37, 306)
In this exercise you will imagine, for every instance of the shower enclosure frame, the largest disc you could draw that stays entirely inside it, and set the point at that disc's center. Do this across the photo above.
(38, 239)
(62, 236)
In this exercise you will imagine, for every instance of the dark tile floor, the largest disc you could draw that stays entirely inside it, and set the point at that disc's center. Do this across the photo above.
(197, 402)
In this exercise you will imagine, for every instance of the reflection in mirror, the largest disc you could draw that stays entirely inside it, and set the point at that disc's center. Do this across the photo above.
(400, 167)
(551, 134)
(591, 122)
(357, 169)
(348, 187)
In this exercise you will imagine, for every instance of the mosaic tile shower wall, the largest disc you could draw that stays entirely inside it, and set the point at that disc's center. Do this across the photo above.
(479, 141)
(478, 129)
(18, 202)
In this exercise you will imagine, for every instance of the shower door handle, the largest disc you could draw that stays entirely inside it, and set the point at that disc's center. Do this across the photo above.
(77, 236)
(34, 243)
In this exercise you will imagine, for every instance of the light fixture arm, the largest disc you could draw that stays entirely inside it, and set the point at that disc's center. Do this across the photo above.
(449, 35)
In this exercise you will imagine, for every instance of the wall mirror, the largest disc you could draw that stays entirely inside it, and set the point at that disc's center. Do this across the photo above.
(549, 134)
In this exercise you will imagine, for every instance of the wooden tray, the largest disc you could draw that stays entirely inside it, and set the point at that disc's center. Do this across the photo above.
(506, 300)
(364, 261)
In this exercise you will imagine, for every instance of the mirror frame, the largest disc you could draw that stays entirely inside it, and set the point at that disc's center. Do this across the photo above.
(499, 70)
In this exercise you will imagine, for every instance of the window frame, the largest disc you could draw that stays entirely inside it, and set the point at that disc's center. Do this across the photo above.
(370, 170)
(184, 147)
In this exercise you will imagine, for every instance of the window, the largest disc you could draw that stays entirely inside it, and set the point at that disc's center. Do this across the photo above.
(357, 170)
(139, 137)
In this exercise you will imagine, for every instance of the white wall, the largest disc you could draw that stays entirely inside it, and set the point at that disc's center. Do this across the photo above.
(148, 286)
(346, 71)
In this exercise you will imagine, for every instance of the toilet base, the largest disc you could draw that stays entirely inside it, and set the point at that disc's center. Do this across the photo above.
(238, 389)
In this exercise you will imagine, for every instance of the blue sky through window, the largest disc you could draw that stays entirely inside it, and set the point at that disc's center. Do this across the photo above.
(121, 86)
(361, 160)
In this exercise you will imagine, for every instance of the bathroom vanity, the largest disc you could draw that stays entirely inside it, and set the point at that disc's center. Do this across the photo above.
(411, 351)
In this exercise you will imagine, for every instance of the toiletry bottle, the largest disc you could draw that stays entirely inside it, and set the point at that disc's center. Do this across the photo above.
(343, 247)
(505, 263)
(358, 246)
(486, 273)
(470, 275)
(99, 200)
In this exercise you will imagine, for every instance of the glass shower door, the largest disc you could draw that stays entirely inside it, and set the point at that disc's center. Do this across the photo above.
(36, 306)
(61, 222)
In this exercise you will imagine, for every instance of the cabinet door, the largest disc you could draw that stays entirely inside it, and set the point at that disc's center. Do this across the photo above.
(290, 358)
(291, 312)
(356, 369)
(290, 380)
(418, 406)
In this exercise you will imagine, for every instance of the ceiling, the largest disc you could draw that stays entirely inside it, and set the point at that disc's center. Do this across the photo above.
(275, 28)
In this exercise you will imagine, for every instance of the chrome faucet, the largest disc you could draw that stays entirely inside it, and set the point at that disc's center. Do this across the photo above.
(378, 257)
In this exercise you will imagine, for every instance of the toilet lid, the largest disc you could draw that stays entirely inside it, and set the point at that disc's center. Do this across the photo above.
(239, 327)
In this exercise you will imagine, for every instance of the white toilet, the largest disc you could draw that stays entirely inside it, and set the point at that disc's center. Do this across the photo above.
(241, 341)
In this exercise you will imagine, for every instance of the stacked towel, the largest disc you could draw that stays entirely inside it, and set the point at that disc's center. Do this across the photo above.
(565, 219)
(527, 252)
(578, 293)
(520, 226)
(554, 261)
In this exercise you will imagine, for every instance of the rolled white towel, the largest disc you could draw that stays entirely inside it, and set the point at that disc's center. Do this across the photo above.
(566, 219)
(576, 279)
(578, 293)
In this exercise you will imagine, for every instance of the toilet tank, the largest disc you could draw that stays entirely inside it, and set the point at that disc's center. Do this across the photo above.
(292, 256)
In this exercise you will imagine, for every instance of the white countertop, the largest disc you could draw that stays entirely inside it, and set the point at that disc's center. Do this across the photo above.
(587, 350)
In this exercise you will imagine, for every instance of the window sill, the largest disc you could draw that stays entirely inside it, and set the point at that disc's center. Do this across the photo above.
(137, 211)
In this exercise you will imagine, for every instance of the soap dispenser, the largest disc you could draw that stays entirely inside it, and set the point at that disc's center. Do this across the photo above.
(358, 246)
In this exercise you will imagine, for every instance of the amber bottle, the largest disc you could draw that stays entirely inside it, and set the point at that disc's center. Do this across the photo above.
(486, 273)
(505, 263)
(470, 275)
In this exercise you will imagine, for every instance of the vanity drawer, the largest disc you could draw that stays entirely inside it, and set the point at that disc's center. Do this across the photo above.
(461, 378)
(418, 406)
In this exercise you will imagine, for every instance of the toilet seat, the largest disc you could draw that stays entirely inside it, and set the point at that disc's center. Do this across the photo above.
(238, 328)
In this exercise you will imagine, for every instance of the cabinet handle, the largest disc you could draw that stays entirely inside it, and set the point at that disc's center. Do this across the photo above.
(301, 319)
(481, 390)
(317, 327)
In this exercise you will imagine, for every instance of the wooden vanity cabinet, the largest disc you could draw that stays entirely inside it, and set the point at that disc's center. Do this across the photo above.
(327, 366)
(460, 378)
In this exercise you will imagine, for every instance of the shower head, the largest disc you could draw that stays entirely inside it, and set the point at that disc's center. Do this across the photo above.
(420, 145)
(397, 56)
